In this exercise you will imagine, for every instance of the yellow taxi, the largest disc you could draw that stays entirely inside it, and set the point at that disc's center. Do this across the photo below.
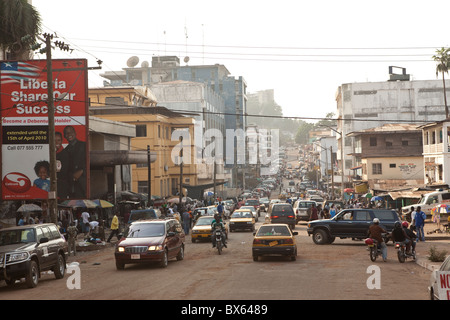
(202, 229)
(274, 239)
(242, 219)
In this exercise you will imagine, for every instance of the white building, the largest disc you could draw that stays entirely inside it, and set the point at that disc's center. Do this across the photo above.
(372, 104)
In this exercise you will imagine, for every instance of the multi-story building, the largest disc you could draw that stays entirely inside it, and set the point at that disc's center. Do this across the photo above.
(389, 157)
(154, 129)
(224, 104)
(436, 153)
(368, 105)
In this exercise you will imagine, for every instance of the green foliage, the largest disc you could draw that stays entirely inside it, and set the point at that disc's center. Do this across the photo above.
(435, 255)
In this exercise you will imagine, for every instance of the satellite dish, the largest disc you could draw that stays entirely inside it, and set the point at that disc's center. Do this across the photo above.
(132, 61)
(186, 59)
(144, 64)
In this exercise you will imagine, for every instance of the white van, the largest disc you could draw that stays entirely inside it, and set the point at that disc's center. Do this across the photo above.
(429, 200)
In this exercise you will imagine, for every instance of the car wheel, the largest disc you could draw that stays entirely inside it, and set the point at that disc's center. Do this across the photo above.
(165, 260)
(60, 267)
(120, 265)
(255, 257)
(32, 277)
(180, 255)
(193, 240)
(11, 282)
(320, 237)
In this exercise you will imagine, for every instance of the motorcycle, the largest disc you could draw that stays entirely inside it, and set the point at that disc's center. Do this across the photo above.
(219, 243)
(374, 251)
(402, 254)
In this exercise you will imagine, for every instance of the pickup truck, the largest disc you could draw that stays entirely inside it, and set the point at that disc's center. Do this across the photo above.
(350, 223)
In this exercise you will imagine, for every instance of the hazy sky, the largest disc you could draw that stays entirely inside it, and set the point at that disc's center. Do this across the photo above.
(304, 50)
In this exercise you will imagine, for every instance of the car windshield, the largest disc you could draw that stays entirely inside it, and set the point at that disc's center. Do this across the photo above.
(241, 214)
(248, 207)
(273, 231)
(204, 222)
(17, 236)
(143, 230)
(252, 202)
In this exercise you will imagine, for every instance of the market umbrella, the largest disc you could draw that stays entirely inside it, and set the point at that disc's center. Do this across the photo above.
(80, 203)
(349, 190)
(441, 208)
(368, 195)
(29, 207)
(103, 203)
(376, 198)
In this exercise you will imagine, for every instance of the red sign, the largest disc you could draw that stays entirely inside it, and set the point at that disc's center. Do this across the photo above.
(25, 142)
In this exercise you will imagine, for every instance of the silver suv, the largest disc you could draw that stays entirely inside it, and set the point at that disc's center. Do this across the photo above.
(302, 209)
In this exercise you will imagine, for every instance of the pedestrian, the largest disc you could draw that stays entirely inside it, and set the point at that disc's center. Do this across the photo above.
(72, 235)
(114, 228)
(419, 222)
(332, 210)
(314, 214)
(220, 209)
(186, 218)
(85, 222)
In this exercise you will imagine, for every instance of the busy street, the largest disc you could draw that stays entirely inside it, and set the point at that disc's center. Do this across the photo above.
(341, 270)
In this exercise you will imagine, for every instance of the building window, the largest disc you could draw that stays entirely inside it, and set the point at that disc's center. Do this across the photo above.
(373, 141)
(141, 130)
(376, 168)
(142, 186)
(388, 143)
(405, 142)
(392, 165)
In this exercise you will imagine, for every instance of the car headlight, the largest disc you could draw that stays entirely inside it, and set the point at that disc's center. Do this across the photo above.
(121, 249)
(231, 222)
(155, 248)
(249, 222)
(14, 257)
(194, 231)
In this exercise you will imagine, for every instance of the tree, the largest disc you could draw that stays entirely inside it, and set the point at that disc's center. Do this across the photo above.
(20, 25)
(442, 57)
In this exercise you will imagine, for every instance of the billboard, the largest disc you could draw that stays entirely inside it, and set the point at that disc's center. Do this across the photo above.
(25, 131)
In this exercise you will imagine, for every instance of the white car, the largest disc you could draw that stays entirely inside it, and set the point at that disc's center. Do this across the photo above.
(433, 288)
(254, 212)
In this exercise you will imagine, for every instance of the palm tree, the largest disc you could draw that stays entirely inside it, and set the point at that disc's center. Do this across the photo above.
(20, 25)
(442, 57)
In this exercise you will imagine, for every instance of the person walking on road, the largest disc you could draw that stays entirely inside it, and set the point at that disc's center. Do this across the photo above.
(419, 222)
(114, 228)
(186, 218)
(72, 238)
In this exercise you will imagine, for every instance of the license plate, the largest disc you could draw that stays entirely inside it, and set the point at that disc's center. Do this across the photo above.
(135, 256)
(273, 243)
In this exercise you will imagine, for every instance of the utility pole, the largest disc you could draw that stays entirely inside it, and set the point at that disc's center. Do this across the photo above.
(149, 176)
(181, 173)
(52, 195)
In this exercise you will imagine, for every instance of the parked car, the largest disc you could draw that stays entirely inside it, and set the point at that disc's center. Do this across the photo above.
(302, 209)
(433, 288)
(350, 223)
(274, 239)
(202, 229)
(282, 213)
(151, 241)
(28, 250)
(242, 219)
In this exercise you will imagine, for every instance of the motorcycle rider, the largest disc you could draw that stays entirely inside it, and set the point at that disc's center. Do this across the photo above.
(375, 232)
(217, 222)
(410, 234)
(399, 235)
